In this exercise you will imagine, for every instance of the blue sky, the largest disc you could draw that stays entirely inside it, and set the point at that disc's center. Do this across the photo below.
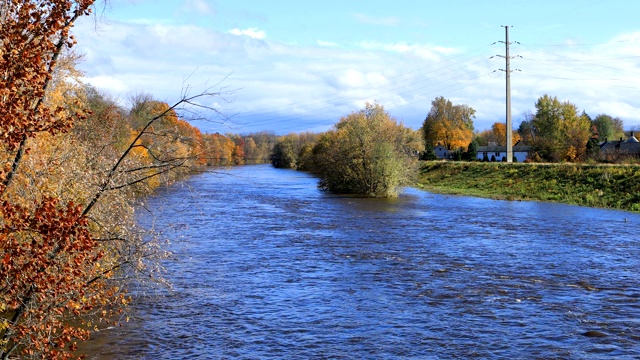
(297, 66)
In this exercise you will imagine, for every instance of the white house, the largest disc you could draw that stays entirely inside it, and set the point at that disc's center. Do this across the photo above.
(520, 152)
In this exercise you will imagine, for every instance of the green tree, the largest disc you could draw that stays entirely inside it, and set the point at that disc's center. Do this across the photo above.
(428, 154)
(561, 134)
(364, 154)
(284, 153)
(448, 124)
(593, 149)
(293, 151)
(472, 150)
(526, 129)
(608, 128)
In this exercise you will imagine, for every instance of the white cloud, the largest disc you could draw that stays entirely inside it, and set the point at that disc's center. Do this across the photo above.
(253, 33)
(287, 87)
(352, 78)
(420, 50)
(110, 84)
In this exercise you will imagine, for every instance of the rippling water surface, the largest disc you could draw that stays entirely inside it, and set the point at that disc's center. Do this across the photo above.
(267, 266)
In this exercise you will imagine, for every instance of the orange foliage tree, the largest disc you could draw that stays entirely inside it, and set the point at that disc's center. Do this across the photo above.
(65, 216)
(48, 256)
(497, 135)
(448, 124)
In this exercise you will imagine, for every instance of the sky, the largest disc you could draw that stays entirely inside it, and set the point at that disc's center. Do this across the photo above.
(295, 66)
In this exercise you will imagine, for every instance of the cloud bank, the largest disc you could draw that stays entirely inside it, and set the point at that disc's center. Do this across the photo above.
(289, 87)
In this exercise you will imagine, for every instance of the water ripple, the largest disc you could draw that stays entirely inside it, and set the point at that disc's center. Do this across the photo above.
(272, 268)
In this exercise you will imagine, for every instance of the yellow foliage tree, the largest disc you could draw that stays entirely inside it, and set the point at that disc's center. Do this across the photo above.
(448, 124)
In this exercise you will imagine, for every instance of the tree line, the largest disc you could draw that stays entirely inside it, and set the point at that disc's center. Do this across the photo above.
(73, 161)
(556, 132)
(369, 153)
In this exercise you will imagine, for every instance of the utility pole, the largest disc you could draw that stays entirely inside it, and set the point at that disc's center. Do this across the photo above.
(508, 81)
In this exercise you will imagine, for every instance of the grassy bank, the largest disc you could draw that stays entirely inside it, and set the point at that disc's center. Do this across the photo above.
(604, 186)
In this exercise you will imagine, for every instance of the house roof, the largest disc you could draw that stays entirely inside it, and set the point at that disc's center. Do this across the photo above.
(629, 146)
(622, 146)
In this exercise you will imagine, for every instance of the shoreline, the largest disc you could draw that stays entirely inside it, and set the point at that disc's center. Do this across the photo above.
(592, 185)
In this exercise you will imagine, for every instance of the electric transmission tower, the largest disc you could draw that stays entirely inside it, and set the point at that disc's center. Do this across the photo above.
(507, 72)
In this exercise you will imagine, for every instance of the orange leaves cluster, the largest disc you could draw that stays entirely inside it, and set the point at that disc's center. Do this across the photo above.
(497, 135)
(221, 150)
(48, 260)
(67, 225)
(31, 35)
(48, 252)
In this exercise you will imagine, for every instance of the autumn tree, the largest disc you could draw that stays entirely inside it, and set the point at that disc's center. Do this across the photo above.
(561, 133)
(364, 154)
(264, 142)
(238, 151)
(171, 146)
(499, 131)
(448, 124)
(250, 150)
(107, 116)
(45, 237)
(226, 150)
(68, 241)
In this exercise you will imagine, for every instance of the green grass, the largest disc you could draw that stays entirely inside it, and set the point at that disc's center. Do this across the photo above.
(604, 186)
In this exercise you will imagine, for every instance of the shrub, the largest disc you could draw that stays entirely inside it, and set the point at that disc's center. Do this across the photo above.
(364, 155)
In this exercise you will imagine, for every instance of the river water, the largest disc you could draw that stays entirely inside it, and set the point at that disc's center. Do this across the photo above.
(266, 266)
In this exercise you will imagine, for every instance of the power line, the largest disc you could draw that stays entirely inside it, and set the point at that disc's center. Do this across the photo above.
(325, 110)
(413, 87)
(581, 44)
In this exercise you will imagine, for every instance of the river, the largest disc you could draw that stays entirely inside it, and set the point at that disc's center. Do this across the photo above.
(266, 266)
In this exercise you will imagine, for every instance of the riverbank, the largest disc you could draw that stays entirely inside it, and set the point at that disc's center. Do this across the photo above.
(603, 186)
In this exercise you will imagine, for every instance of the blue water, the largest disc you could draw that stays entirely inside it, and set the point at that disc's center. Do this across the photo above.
(265, 266)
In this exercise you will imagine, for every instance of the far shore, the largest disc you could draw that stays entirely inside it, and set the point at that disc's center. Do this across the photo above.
(594, 185)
